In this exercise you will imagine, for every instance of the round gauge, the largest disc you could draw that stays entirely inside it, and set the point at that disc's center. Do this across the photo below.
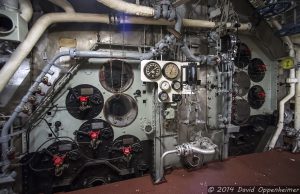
(163, 96)
(176, 85)
(164, 85)
(170, 71)
(152, 70)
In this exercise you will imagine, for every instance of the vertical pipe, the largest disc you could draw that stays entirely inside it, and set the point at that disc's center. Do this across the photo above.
(281, 110)
(297, 96)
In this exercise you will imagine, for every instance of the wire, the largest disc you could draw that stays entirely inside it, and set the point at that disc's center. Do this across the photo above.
(48, 124)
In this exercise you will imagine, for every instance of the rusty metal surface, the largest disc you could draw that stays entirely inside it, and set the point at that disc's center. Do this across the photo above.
(268, 168)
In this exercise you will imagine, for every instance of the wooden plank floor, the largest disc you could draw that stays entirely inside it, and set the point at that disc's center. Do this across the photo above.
(268, 168)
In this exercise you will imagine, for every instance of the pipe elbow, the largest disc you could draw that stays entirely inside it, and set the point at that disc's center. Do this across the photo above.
(203, 151)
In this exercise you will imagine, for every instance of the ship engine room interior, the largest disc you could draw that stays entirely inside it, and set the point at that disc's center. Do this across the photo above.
(149, 96)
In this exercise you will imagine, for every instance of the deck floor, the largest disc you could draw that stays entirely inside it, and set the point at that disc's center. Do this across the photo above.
(269, 168)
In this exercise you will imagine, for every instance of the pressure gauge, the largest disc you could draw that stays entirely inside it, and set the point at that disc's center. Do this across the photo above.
(163, 96)
(164, 85)
(152, 70)
(176, 85)
(170, 71)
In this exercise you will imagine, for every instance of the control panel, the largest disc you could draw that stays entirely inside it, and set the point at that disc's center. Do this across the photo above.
(173, 78)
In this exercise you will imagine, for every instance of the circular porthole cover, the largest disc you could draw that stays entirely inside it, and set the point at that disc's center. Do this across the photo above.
(84, 102)
(94, 137)
(241, 83)
(120, 110)
(243, 56)
(257, 70)
(116, 76)
(256, 97)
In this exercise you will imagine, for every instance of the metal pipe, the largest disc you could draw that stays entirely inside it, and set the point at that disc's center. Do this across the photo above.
(26, 10)
(297, 96)
(184, 150)
(286, 39)
(281, 110)
(46, 20)
(162, 159)
(106, 60)
(18, 109)
(230, 77)
(202, 151)
(291, 93)
(64, 4)
(202, 59)
(129, 8)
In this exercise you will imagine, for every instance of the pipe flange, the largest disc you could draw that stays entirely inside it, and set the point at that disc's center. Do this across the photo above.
(292, 80)
(73, 52)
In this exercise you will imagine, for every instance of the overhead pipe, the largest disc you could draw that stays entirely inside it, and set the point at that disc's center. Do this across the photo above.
(26, 10)
(129, 8)
(46, 20)
(285, 39)
(64, 4)
(292, 81)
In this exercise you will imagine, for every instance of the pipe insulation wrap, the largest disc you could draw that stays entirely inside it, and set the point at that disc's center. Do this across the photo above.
(128, 8)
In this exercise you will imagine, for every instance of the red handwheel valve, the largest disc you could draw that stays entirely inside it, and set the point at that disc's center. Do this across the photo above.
(261, 95)
(58, 160)
(127, 150)
(94, 134)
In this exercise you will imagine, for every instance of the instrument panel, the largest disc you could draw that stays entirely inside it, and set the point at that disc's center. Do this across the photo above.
(172, 77)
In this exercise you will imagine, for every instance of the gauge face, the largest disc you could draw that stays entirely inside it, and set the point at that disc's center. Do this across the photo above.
(163, 96)
(170, 71)
(152, 70)
(165, 85)
(176, 85)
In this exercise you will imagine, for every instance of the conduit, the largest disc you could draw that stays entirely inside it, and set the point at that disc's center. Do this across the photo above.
(46, 20)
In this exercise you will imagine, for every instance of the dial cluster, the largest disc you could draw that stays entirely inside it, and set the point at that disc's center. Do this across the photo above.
(168, 75)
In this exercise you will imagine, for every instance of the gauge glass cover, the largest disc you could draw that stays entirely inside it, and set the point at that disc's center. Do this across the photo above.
(152, 70)
(170, 71)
